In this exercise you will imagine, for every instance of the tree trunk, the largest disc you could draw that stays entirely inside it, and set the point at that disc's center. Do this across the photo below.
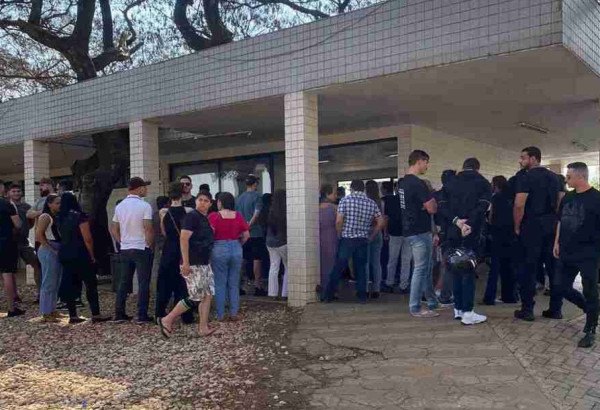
(95, 178)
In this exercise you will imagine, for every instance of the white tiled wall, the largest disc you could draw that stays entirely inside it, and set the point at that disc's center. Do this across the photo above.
(449, 151)
(390, 37)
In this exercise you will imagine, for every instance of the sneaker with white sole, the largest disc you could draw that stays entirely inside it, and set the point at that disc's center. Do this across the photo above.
(458, 314)
(472, 318)
(424, 313)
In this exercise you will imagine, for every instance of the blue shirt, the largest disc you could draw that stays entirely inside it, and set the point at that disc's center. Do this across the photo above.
(359, 211)
(246, 204)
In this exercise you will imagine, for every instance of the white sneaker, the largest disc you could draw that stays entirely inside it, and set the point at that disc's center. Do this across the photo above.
(472, 318)
(458, 314)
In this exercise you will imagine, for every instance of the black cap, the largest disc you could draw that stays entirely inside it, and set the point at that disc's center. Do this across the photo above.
(137, 182)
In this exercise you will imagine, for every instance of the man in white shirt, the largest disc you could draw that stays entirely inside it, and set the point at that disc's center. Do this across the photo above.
(132, 228)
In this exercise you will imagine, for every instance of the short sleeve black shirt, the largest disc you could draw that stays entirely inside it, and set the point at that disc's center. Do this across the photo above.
(7, 210)
(201, 240)
(580, 225)
(542, 187)
(391, 209)
(413, 193)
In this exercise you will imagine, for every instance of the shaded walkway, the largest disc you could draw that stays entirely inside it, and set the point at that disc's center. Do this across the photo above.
(376, 356)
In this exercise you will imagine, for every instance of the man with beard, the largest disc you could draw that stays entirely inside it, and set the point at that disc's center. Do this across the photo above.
(576, 247)
(537, 197)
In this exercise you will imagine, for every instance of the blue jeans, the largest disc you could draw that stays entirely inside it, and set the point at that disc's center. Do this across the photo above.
(374, 271)
(140, 261)
(355, 248)
(422, 280)
(226, 263)
(464, 288)
(51, 276)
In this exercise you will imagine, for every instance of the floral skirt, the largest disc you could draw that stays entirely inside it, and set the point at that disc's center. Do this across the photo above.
(200, 282)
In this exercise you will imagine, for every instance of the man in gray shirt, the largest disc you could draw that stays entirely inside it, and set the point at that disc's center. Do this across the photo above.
(249, 204)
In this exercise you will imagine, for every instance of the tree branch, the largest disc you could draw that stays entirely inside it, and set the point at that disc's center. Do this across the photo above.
(107, 25)
(35, 15)
(194, 40)
(317, 14)
(219, 33)
(83, 25)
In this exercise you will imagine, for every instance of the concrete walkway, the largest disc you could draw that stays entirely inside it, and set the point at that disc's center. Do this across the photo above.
(376, 356)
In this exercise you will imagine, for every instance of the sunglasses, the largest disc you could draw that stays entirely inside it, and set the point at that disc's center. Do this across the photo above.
(186, 183)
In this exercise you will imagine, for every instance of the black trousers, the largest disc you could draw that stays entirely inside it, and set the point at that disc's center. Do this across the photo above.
(169, 284)
(563, 289)
(76, 271)
(537, 241)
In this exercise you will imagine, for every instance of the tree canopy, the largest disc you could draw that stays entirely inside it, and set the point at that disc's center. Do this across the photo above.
(47, 44)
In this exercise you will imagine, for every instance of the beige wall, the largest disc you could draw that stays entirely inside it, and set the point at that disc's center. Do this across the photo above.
(449, 151)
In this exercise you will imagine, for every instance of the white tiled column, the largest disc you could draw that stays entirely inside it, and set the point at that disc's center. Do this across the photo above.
(36, 164)
(36, 161)
(404, 149)
(143, 151)
(302, 187)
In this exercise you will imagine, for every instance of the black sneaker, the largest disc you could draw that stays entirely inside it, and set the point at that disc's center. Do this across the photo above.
(61, 306)
(548, 314)
(122, 319)
(587, 341)
(524, 315)
(76, 319)
(242, 292)
(144, 320)
(79, 303)
(374, 295)
(100, 319)
(260, 292)
(387, 289)
(15, 312)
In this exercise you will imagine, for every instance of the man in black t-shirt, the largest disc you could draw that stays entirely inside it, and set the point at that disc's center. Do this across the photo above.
(534, 212)
(577, 247)
(418, 204)
(9, 221)
(399, 250)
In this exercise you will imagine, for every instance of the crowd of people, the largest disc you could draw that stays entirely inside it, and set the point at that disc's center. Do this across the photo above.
(528, 227)
(201, 241)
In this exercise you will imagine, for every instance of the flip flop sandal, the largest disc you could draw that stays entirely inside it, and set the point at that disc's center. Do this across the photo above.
(166, 332)
(210, 332)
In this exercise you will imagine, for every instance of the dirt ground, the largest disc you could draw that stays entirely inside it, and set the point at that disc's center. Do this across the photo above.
(131, 366)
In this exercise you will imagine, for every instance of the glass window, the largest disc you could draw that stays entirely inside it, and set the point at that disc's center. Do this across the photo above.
(235, 171)
(207, 173)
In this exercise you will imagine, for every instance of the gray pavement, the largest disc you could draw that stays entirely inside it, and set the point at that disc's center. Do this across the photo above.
(352, 356)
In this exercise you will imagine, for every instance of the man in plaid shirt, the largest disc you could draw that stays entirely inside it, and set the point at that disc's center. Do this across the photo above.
(358, 222)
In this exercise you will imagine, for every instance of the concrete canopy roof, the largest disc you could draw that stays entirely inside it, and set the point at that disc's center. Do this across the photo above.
(483, 99)
(393, 37)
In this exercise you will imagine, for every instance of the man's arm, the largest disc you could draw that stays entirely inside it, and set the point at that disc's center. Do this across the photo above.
(33, 214)
(254, 218)
(556, 250)
(431, 206)
(149, 233)
(115, 230)
(87, 239)
(379, 225)
(184, 242)
(519, 210)
(559, 198)
(339, 223)
(16, 220)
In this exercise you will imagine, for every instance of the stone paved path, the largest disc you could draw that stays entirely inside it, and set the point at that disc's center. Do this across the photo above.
(376, 356)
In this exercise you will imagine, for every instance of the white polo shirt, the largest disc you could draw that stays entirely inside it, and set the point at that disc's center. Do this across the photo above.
(130, 214)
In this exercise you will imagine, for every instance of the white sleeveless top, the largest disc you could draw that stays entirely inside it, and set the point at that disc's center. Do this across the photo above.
(49, 234)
